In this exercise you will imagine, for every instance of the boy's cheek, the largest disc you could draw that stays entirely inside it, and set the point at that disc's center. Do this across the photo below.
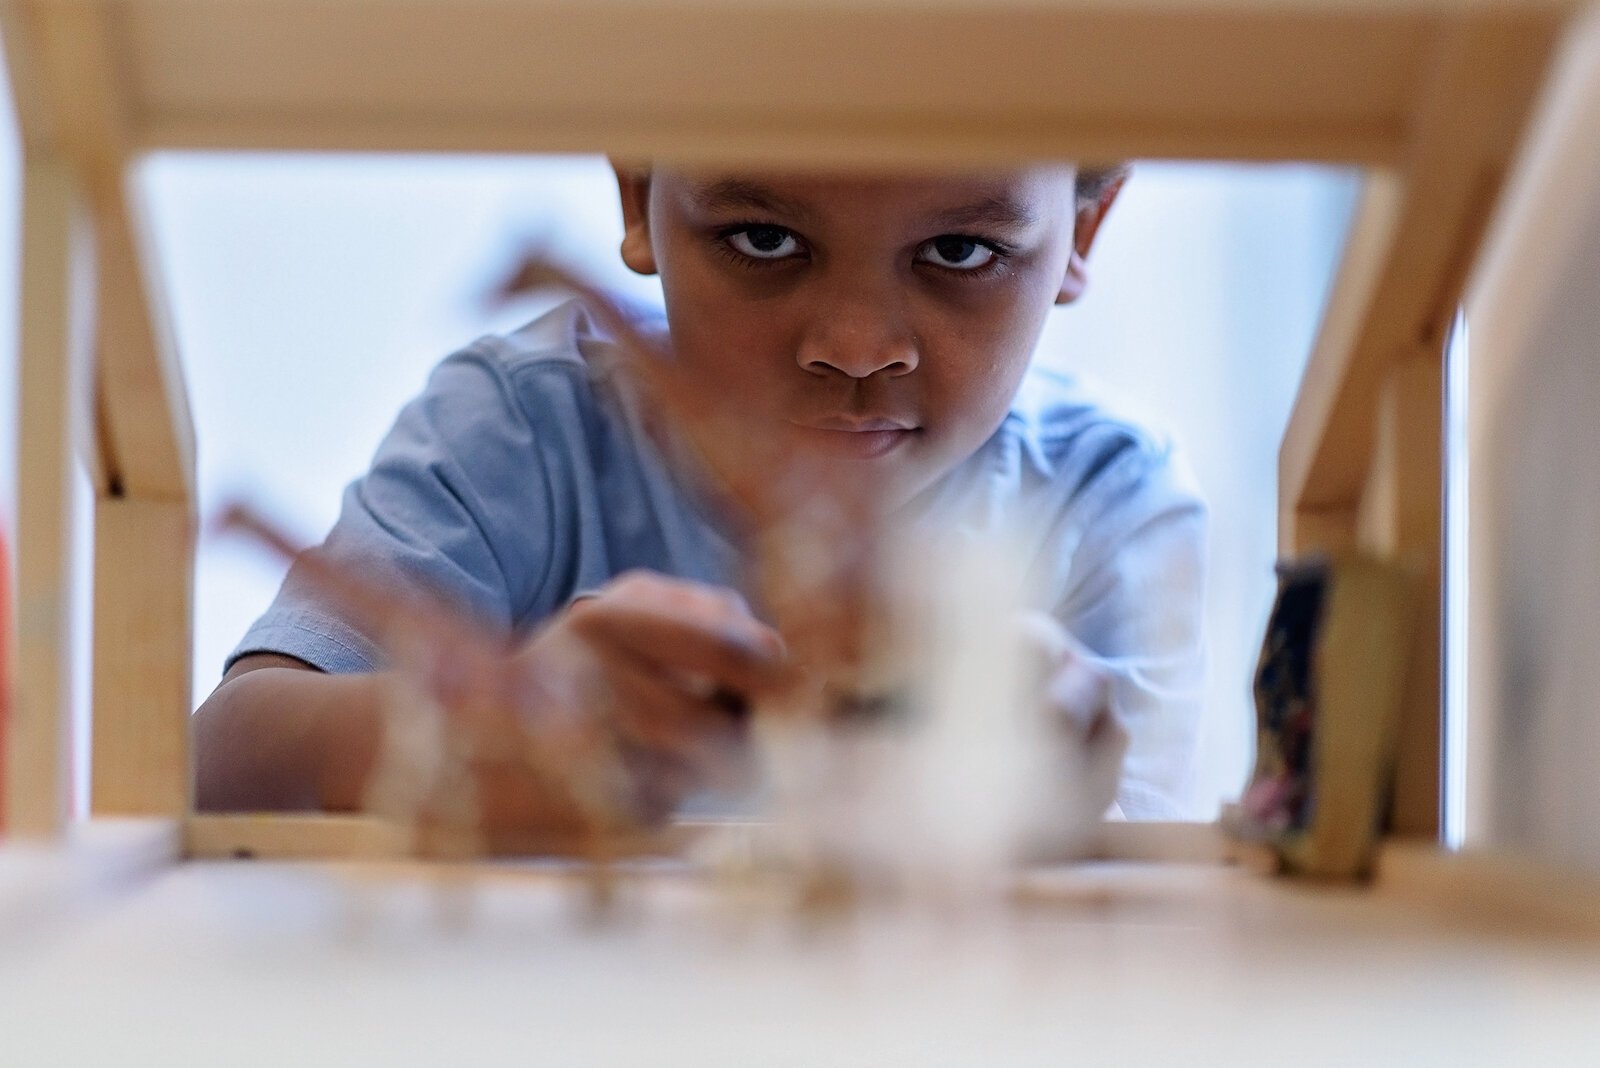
(723, 336)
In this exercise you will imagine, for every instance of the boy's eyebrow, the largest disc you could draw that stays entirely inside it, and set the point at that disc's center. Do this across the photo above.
(995, 210)
(740, 194)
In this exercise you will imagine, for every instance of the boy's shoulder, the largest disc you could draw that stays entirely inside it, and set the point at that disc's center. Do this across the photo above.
(1067, 428)
(1065, 461)
(552, 378)
(566, 338)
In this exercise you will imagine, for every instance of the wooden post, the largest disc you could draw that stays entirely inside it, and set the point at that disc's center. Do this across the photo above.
(52, 398)
(143, 592)
(144, 540)
(67, 61)
(1402, 518)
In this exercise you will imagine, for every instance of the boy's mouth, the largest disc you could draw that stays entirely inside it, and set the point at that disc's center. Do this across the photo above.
(856, 439)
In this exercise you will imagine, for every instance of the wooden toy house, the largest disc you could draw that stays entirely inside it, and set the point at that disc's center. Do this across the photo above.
(1434, 99)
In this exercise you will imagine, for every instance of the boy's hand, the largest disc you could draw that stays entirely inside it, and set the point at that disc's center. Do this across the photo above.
(662, 666)
(605, 718)
(1077, 699)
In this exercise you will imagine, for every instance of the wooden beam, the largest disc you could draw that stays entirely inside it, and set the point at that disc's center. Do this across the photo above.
(1397, 303)
(140, 451)
(52, 397)
(275, 836)
(1402, 501)
(1316, 530)
(148, 430)
(1365, 437)
(291, 836)
(1158, 78)
(146, 435)
(144, 582)
(1402, 518)
(1340, 344)
(862, 143)
(1492, 892)
(1162, 843)
(1527, 307)
(325, 836)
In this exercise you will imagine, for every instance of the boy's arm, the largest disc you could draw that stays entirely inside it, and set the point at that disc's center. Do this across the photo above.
(1136, 610)
(280, 735)
(648, 664)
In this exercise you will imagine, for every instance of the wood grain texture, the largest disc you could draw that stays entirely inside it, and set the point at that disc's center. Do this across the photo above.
(725, 80)
(1356, 286)
(134, 432)
(1102, 963)
(1403, 519)
(282, 836)
(75, 56)
(1310, 530)
(1493, 891)
(1365, 437)
(1167, 843)
(1471, 109)
(144, 592)
(1532, 311)
(52, 397)
(340, 836)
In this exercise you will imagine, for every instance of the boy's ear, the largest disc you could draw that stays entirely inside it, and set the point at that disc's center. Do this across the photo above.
(633, 187)
(1086, 224)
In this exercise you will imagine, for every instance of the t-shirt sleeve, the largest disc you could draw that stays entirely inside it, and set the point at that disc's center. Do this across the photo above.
(456, 504)
(1135, 599)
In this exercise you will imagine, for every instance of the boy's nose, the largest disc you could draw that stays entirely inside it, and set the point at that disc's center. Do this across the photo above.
(859, 342)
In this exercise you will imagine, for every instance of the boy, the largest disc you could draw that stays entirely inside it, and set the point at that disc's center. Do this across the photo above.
(883, 324)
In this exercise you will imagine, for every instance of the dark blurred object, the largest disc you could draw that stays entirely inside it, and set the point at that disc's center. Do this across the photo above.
(1328, 689)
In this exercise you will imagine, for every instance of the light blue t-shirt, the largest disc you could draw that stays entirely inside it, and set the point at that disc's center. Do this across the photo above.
(523, 475)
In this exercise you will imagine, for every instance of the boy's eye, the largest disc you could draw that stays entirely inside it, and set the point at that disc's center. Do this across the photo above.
(763, 242)
(956, 253)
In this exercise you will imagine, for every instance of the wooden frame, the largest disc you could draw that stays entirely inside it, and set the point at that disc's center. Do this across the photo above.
(1530, 308)
(1432, 96)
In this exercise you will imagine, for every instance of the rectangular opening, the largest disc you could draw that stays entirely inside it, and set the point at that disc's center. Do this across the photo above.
(1207, 286)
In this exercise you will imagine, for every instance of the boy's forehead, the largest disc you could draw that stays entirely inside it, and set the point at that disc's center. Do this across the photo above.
(1013, 197)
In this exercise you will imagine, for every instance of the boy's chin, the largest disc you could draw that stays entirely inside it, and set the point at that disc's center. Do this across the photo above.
(895, 485)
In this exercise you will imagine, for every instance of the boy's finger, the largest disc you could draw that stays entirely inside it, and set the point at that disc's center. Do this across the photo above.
(738, 654)
(650, 708)
(713, 605)
(1080, 694)
(658, 781)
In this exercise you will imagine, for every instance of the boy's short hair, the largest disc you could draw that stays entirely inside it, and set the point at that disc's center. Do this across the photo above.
(1094, 180)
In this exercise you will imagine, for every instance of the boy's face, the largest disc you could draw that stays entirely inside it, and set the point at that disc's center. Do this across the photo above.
(886, 322)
